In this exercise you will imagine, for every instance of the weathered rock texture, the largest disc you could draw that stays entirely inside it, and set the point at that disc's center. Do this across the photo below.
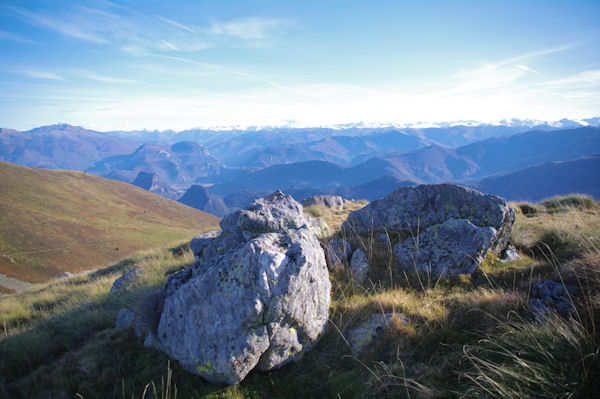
(202, 241)
(548, 296)
(456, 246)
(447, 229)
(359, 265)
(414, 209)
(327, 201)
(127, 281)
(257, 298)
(364, 335)
(338, 252)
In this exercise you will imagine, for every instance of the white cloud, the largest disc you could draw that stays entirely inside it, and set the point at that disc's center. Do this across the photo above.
(582, 79)
(527, 69)
(40, 74)
(252, 28)
(15, 38)
(174, 23)
(102, 78)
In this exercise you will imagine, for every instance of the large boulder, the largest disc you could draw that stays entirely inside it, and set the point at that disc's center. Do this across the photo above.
(201, 241)
(338, 252)
(326, 201)
(127, 281)
(257, 298)
(412, 210)
(454, 247)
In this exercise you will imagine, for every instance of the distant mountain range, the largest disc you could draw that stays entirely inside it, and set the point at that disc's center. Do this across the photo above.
(223, 170)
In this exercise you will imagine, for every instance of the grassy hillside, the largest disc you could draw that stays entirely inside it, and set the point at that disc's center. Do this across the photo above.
(57, 221)
(467, 337)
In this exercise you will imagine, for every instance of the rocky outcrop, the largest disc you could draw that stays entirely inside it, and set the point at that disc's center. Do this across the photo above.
(319, 227)
(414, 209)
(201, 198)
(257, 298)
(326, 201)
(456, 246)
(127, 281)
(444, 229)
(338, 252)
(125, 319)
(153, 183)
(202, 241)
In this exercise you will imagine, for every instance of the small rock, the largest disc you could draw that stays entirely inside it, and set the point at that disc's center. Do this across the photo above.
(359, 264)
(337, 252)
(65, 275)
(200, 242)
(127, 281)
(319, 227)
(510, 254)
(454, 247)
(125, 319)
(548, 296)
(327, 201)
(364, 335)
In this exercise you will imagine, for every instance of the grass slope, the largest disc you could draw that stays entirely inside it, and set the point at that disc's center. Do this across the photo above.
(57, 221)
(466, 337)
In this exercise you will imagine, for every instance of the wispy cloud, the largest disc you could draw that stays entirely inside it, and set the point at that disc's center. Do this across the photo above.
(15, 38)
(582, 79)
(39, 74)
(176, 24)
(102, 78)
(253, 28)
(527, 69)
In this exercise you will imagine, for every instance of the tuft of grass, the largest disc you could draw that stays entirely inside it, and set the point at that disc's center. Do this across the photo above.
(564, 203)
(555, 359)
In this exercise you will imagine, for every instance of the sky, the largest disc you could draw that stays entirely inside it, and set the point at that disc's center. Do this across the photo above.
(126, 65)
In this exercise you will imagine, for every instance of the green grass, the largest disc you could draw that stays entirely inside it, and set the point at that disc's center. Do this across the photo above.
(466, 337)
(57, 221)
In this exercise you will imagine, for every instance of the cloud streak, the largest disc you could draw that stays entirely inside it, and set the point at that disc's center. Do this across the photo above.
(247, 28)
(40, 74)
(15, 38)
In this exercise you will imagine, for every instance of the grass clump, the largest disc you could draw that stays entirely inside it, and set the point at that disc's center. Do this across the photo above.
(562, 204)
(554, 359)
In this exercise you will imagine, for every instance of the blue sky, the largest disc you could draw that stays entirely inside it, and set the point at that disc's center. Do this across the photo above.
(182, 64)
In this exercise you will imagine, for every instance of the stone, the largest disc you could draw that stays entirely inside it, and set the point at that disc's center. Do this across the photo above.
(127, 281)
(359, 265)
(548, 296)
(201, 241)
(258, 297)
(326, 201)
(510, 254)
(125, 319)
(414, 209)
(65, 275)
(319, 227)
(454, 247)
(337, 252)
(363, 336)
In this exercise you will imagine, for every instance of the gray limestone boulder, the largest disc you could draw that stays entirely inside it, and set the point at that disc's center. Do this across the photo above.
(326, 201)
(127, 281)
(201, 241)
(456, 246)
(338, 252)
(257, 298)
(359, 265)
(414, 209)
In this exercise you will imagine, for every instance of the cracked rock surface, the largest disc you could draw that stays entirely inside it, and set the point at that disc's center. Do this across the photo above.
(257, 298)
